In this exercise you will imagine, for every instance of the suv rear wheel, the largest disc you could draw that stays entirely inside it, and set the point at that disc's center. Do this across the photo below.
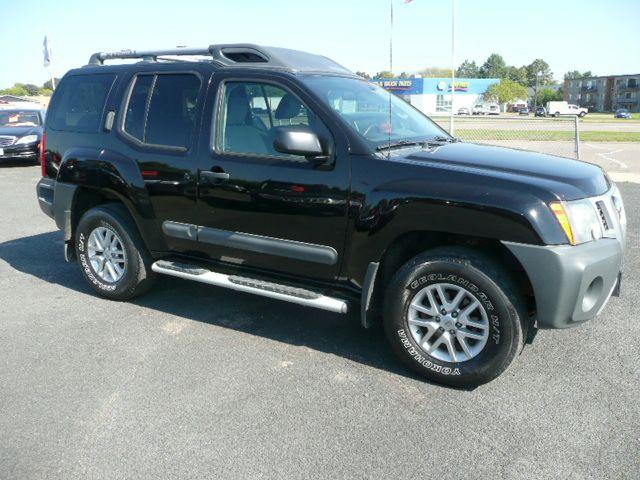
(454, 316)
(111, 254)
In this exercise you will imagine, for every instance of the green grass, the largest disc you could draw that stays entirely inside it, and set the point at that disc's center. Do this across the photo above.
(608, 117)
(548, 136)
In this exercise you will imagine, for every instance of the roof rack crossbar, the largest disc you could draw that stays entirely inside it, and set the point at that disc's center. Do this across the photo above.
(147, 55)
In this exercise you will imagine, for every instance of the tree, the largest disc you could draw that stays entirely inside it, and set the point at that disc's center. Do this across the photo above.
(538, 73)
(517, 74)
(384, 74)
(363, 75)
(47, 84)
(17, 90)
(29, 87)
(493, 67)
(405, 75)
(468, 69)
(45, 92)
(435, 72)
(506, 91)
(576, 75)
(548, 95)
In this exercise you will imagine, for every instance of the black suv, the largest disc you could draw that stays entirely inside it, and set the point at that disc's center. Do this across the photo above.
(281, 173)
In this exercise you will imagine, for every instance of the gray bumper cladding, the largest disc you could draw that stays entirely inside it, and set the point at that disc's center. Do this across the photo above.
(45, 190)
(56, 200)
(571, 284)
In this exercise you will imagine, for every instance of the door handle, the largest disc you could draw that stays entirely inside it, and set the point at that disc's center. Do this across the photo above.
(214, 175)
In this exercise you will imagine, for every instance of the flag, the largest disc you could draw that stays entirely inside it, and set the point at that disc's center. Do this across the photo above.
(46, 50)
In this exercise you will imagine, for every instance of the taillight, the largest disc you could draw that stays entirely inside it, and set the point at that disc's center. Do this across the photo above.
(43, 158)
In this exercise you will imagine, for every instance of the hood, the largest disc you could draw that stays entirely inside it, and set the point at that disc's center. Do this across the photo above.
(21, 131)
(564, 178)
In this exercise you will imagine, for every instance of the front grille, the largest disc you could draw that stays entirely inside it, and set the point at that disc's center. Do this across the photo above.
(6, 140)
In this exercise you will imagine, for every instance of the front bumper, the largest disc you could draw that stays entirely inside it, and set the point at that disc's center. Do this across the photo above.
(571, 284)
(20, 152)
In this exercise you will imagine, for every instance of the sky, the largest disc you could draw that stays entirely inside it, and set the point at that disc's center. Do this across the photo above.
(598, 35)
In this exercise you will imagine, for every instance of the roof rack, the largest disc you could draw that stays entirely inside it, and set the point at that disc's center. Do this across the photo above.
(238, 54)
(145, 55)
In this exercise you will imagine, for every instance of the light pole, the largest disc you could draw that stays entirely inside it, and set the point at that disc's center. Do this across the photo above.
(535, 93)
(453, 64)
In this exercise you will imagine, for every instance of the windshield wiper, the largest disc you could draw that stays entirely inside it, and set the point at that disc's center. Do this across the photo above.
(408, 143)
(399, 144)
(440, 139)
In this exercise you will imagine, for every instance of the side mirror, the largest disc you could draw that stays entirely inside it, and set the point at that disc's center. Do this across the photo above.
(298, 140)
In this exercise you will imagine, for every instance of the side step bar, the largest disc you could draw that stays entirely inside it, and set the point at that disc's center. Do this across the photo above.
(287, 293)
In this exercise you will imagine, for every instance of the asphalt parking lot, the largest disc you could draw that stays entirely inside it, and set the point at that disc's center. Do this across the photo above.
(192, 381)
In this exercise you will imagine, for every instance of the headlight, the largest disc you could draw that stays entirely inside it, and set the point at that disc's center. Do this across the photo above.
(579, 220)
(27, 139)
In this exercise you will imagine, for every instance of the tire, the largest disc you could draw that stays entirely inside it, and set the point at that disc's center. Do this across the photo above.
(557, 114)
(137, 276)
(581, 114)
(483, 280)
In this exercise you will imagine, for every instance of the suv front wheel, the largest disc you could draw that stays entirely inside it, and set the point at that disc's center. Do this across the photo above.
(455, 316)
(111, 254)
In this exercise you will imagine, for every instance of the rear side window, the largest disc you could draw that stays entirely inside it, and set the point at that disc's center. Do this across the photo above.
(162, 109)
(79, 103)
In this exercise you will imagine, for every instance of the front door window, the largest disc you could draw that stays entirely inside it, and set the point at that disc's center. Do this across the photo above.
(252, 113)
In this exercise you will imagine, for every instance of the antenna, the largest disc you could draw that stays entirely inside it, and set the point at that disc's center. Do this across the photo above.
(389, 128)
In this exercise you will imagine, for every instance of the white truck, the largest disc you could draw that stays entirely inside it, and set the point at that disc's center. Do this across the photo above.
(564, 108)
(479, 109)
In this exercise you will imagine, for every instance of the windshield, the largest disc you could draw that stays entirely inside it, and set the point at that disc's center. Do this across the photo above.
(365, 107)
(18, 118)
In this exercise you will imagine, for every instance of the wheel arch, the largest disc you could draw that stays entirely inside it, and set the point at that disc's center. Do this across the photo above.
(86, 198)
(409, 244)
(92, 177)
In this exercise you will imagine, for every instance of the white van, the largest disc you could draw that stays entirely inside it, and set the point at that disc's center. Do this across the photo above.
(493, 109)
(564, 108)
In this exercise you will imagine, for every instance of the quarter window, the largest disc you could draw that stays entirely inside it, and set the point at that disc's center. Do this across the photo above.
(79, 103)
(162, 109)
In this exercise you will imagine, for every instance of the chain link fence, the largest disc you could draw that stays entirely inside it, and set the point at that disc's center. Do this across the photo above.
(555, 136)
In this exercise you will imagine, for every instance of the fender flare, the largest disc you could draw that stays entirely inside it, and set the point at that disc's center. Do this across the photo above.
(107, 174)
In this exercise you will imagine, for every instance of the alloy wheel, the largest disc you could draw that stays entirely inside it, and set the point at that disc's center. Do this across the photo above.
(448, 322)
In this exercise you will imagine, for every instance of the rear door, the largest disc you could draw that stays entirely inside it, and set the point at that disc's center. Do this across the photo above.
(158, 126)
(260, 208)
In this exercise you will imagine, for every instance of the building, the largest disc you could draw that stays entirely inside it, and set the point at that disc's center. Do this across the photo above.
(433, 95)
(604, 94)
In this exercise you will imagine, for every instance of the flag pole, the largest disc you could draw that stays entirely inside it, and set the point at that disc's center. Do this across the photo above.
(453, 64)
(46, 50)
(391, 37)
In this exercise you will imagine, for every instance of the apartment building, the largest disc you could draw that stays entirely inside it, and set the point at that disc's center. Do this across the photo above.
(604, 94)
